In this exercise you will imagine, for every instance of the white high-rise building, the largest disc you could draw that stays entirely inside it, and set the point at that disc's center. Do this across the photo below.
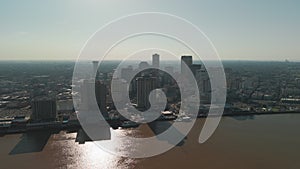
(155, 60)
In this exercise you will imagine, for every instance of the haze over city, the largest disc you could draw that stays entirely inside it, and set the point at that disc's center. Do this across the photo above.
(240, 30)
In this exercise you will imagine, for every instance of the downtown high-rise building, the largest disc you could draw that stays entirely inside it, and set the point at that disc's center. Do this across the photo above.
(95, 67)
(188, 60)
(126, 73)
(43, 109)
(87, 95)
(155, 60)
(91, 90)
(100, 92)
(144, 86)
(196, 68)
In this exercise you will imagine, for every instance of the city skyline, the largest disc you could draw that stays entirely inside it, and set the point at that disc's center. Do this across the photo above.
(149, 84)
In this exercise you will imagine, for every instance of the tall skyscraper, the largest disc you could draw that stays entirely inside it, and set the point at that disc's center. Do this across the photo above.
(203, 82)
(195, 68)
(144, 86)
(100, 92)
(95, 67)
(188, 60)
(126, 73)
(120, 87)
(155, 64)
(43, 109)
(87, 95)
(155, 60)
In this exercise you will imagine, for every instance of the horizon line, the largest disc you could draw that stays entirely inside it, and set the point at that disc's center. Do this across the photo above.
(115, 60)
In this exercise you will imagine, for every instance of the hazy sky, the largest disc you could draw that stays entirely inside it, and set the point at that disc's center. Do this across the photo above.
(242, 30)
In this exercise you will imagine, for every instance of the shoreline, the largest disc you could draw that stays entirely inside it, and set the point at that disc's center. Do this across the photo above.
(75, 125)
(249, 114)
